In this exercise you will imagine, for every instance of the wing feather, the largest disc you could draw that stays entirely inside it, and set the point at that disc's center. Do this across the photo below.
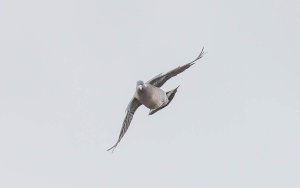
(131, 108)
(160, 79)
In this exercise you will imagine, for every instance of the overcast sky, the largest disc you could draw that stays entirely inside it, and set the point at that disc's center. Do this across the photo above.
(68, 70)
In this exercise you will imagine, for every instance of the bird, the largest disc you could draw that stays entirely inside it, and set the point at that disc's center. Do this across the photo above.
(152, 96)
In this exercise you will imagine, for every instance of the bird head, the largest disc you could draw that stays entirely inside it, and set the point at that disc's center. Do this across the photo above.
(140, 85)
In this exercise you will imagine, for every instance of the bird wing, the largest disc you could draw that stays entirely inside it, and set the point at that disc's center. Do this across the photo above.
(131, 108)
(160, 79)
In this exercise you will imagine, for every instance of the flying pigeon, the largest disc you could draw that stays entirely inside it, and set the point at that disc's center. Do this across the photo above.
(150, 95)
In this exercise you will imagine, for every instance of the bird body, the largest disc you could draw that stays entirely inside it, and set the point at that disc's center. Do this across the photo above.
(150, 95)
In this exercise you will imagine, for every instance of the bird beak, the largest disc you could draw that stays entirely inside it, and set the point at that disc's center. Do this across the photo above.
(140, 87)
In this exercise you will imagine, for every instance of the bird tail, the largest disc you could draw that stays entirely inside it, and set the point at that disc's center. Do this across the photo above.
(171, 94)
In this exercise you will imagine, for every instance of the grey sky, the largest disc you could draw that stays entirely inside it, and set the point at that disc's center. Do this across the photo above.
(68, 70)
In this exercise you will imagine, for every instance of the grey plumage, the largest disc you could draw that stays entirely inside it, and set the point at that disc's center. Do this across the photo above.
(150, 95)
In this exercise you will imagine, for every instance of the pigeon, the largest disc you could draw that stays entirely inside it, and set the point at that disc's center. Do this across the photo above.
(152, 96)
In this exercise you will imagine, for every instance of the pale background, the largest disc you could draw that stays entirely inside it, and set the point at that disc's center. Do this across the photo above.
(68, 70)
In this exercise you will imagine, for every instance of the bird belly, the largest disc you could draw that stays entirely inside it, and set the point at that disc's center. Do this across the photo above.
(152, 101)
(152, 104)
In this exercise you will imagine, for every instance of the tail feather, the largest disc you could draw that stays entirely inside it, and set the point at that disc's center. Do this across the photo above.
(171, 94)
